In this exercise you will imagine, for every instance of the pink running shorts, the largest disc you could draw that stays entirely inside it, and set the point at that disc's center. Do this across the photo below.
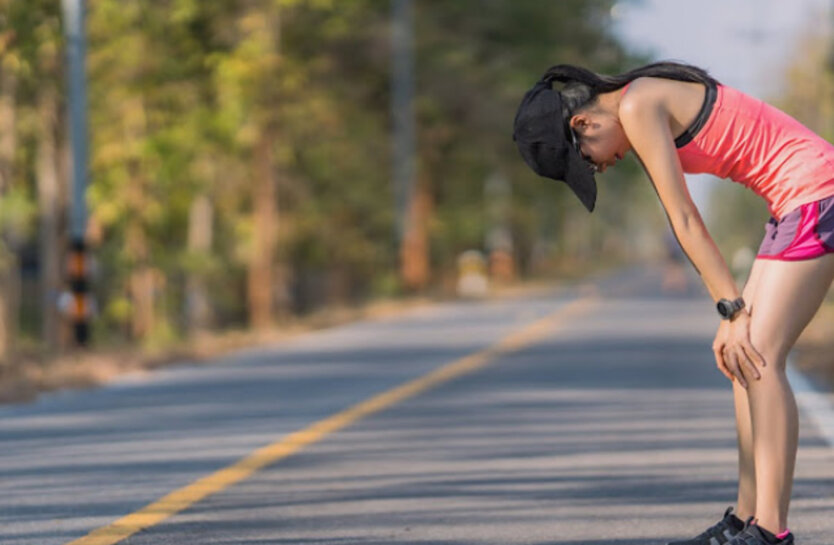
(804, 233)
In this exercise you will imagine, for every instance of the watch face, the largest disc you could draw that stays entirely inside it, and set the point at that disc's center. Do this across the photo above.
(724, 308)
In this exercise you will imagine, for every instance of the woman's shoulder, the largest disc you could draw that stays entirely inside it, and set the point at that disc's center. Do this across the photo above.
(644, 92)
(678, 98)
(659, 87)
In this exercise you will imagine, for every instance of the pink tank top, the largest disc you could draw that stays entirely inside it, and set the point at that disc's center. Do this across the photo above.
(752, 143)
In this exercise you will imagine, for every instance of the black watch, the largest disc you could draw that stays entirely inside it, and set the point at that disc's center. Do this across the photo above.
(727, 309)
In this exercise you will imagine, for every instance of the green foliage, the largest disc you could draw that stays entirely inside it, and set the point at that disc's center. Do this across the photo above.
(180, 92)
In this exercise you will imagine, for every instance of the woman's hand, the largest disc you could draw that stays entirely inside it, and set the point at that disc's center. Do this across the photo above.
(734, 353)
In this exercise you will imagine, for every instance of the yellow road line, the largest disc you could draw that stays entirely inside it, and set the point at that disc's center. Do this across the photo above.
(180, 499)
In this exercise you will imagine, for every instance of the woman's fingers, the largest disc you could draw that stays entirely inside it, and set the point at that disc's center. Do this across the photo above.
(735, 367)
(720, 363)
(754, 355)
(748, 357)
(735, 355)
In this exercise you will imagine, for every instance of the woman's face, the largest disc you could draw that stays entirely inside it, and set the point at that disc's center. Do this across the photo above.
(600, 138)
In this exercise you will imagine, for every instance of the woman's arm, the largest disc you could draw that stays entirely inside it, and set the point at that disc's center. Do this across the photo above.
(646, 124)
(645, 121)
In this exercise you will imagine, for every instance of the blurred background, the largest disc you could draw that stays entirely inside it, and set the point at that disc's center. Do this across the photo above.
(256, 162)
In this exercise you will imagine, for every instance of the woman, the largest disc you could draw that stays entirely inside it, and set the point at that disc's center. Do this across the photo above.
(676, 119)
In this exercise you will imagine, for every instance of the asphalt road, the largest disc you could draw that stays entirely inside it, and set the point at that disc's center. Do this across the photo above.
(608, 424)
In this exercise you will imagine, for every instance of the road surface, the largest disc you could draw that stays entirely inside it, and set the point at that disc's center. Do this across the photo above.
(589, 415)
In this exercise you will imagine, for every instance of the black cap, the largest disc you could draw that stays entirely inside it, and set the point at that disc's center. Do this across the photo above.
(543, 137)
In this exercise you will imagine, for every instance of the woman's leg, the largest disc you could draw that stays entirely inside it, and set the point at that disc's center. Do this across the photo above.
(787, 295)
(746, 505)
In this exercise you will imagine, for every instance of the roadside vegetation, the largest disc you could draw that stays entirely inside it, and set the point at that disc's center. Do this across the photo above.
(241, 166)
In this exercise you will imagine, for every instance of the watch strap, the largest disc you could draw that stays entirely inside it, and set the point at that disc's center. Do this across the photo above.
(735, 306)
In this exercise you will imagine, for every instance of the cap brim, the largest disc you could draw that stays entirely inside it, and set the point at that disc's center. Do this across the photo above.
(545, 143)
(580, 178)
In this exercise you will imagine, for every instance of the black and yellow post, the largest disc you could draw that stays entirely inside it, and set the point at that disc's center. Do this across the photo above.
(79, 307)
(78, 272)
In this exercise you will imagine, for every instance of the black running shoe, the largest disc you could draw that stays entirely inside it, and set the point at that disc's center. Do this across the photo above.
(753, 535)
(719, 534)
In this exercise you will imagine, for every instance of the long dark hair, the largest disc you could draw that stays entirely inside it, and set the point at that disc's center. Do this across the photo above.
(582, 85)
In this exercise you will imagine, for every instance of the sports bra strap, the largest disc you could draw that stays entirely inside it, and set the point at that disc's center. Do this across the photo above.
(700, 120)
(624, 88)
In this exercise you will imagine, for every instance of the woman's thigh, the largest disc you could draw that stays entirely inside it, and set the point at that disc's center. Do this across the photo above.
(785, 296)
(752, 281)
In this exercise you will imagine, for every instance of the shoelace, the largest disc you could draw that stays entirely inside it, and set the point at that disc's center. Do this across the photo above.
(717, 530)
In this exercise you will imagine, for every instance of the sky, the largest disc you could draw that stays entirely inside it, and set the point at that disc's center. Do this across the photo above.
(745, 44)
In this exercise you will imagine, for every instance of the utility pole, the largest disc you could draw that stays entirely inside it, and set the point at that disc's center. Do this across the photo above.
(80, 308)
(402, 113)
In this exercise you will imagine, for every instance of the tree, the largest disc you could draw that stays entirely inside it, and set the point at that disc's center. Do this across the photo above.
(9, 274)
(240, 154)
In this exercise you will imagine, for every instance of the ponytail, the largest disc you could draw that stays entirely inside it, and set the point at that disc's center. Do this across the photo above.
(582, 86)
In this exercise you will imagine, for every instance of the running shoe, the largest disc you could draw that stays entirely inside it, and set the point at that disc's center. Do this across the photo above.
(753, 535)
(719, 534)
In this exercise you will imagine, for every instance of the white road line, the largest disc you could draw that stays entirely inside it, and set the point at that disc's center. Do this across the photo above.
(817, 404)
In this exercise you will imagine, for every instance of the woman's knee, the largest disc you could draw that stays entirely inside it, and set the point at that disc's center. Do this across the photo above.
(771, 346)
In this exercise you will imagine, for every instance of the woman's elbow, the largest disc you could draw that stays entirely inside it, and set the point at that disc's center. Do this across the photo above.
(687, 222)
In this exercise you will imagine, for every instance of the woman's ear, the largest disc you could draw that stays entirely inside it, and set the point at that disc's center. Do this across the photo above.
(580, 123)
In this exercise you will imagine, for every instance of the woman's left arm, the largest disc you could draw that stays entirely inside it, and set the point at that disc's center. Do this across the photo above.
(645, 121)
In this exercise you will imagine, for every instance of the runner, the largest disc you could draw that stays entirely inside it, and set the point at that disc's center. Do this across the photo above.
(676, 118)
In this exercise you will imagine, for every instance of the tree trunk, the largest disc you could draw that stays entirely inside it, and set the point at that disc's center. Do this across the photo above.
(9, 266)
(141, 280)
(414, 252)
(265, 220)
(266, 103)
(198, 308)
(66, 333)
(48, 210)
